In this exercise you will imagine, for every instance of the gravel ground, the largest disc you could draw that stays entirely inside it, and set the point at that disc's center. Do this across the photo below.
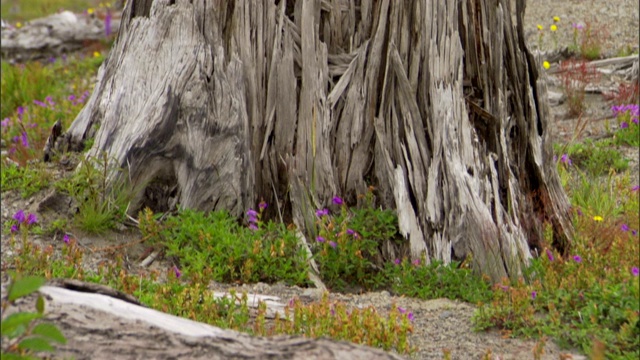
(444, 324)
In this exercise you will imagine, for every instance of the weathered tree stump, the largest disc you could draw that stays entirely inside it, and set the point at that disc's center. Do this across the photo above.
(437, 103)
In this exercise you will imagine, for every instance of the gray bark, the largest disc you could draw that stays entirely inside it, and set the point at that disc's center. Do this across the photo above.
(100, 323)
(437, 103)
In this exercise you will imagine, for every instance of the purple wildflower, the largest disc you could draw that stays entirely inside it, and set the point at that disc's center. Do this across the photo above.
(253, 226)
(320, 239)
(14, 228)
(66, 239)
(322, 212)
(634, 232)
(416, 262)
(32, 219)
(252, 213)
(19, 216)
(337, 200)
(71, 98)
(565, 159)
(635, 271)
(577, 258)
(107, 24)
(177, 271)
(624, 227)
(50, 101)
(20, 112)
(624, 125)
(350, 232)
(39, 103)
(549, 255)
(262, 205)
(579, 212)
(24, 139)
(577, 26)
(52, 60)
(533, 295)
(6, 122)
(410, 316)
(333, 244)
(504, 287)
(402, 310)
(635, 188)
(396, 261)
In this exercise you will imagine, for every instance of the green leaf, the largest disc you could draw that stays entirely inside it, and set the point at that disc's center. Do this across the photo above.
(49, 331)
(10, 356)
(40, 304)
(25, 286)
(13, 321)
(35, 344)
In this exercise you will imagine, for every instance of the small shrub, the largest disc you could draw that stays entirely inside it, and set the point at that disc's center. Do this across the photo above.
(24, 336)
(575, 75)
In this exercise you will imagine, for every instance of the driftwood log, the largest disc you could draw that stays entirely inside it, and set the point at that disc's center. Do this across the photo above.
(100, 323)
(52, 36)
(436, 103)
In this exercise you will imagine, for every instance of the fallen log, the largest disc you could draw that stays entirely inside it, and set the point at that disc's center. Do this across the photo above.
(55, 35)
(101, 326)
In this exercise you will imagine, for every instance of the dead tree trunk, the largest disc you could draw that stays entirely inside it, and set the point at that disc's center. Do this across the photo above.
(437, 103)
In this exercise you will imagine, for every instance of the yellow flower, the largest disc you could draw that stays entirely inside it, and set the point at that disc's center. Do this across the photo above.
(96, 54)
(598, 218)
(540, 27)
(556, 19)
(554, 27)
(546, 65)
(18, 25)
(90, 11)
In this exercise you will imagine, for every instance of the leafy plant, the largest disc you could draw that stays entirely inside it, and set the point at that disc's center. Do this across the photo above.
(574, 76)
(100, 204)
(27, 179)
(214, 246)
(24, 335)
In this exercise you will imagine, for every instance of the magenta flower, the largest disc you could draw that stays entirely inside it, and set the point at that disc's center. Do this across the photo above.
(107, 24)
(410, 316)
(14, 228)
(320, 239)
(24, 139)
(549, 255)
(177, 272)
(579, 212)
(50, 101)
(20, 112)
(402, 310)
(396, 261)
(252, 213)
(66, 239)
(624, 227)
(322, 212)
(39, 103)
(253, 226)
(533, 295)
(577, 26)
(333, 244)
(32, 219)
(262, 205)
(19, 217)
(337, 200)
(565, 159)
(635, 188)
(416, 262)
(6, 122)
(634, 232)
(624, 125)
(635, 271)
(350, 232)
(577, 258)
(71, 98)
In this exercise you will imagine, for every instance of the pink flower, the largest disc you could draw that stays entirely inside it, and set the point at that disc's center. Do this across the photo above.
(624, 227)
(32, 219)
(322, 212)
(19, 216)
(635, 271)
(396, 261)
(262, 205)
(337, 200)
(533, 295)
(66, 239)
(14, 228)
(549, 255)
(577, 258)
(177, 272)
(333, 244)
(320, 239)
